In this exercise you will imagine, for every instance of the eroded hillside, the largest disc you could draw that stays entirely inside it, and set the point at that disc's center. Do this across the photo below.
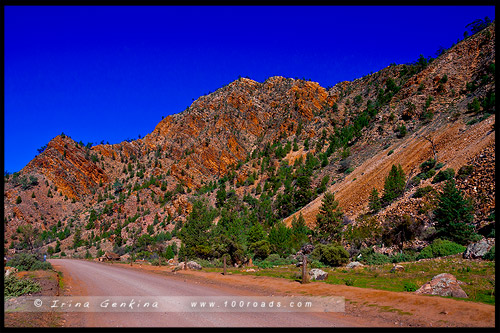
(261, 153)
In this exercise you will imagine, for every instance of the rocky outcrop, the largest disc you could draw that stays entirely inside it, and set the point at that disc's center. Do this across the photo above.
(443, 285)
(354, 264)
(72, 168)
(193, 265)
(479, 249)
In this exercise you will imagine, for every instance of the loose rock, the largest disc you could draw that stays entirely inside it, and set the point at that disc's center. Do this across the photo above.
(354, 264)
(318, 274)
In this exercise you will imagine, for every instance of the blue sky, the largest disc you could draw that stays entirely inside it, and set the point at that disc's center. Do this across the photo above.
(109, 73)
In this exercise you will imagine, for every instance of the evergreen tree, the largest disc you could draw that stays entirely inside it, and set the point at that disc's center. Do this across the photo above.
(394, 184)
(454, 215)
(256, 233)
(279, 239)
(299, 232)
(77, 239)
(303, 193)
(220, 197)
(374, 204)
(329, 220)
(195, 234)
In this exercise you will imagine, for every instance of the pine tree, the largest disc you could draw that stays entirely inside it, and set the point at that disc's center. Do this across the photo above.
(299, 232)
(221, 196)
(329, 220)
(77, 239)
(394, 184)
(279, 238)
(374, 202)
(454, 215)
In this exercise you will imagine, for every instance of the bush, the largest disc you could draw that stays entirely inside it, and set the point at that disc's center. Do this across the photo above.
(422, 191)
(330, 255)
(465, 171)
(428, 174)
(370, 257)
(14, 286)
(28, 262)
(403, 257)
(441, 248)
(273, 260)
(490, 255)
(444, 175)
(427, 165)
(410, 286)
(316, 264)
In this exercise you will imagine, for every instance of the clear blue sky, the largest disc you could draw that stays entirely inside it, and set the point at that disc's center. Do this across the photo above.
(111, 73)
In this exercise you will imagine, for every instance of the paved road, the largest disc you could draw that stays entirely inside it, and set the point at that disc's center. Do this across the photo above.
(97, 279)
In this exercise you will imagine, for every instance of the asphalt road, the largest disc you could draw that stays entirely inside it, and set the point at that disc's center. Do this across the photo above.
(96, 279)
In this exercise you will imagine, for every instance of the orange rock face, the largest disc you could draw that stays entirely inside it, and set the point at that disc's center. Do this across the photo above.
(69, 166)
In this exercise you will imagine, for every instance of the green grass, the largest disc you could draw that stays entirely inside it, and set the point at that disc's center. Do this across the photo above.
(478, 276)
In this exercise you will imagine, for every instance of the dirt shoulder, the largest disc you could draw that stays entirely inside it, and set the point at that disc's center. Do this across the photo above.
(369, 307)
(49, 281)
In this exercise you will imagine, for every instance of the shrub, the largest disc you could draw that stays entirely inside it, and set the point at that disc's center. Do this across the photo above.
(439, 165)
(441, 248)
(349, 282)
(330, 255)
(444, 175)
(370, 257)
(465, 171)
(401, 131)
(28, 262)
(273, 260)
(474, 106)
(399, 229)
(490, 255)
(14, 286)
(429, 174)
(422, 191)
(316, 264)
(403, 257)
(415, 181)
(410, 286)
(427, 165)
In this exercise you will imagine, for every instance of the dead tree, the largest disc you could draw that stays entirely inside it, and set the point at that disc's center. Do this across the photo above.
(434, 150)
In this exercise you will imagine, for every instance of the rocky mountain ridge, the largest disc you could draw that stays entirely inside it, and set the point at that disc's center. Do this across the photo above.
(247, 134)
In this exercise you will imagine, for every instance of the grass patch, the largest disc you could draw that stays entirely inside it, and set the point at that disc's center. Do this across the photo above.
(478, 276)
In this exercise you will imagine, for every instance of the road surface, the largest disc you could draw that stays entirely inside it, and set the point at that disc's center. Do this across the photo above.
(84, 278)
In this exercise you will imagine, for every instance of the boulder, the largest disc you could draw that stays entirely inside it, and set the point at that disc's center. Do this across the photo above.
(193, 265)
(443, 285)
(479, 249)
(355, 264)
(397, 268)
(317, 274)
